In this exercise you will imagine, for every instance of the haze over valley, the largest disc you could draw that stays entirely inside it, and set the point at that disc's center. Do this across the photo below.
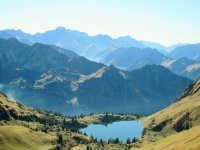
(99, 75)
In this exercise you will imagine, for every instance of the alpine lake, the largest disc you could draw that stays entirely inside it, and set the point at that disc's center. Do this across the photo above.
(122, 130)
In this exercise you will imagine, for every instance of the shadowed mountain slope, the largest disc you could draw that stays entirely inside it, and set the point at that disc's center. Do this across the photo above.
(42, 77)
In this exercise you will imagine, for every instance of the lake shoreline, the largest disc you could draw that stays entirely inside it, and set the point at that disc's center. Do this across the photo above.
(106, 118)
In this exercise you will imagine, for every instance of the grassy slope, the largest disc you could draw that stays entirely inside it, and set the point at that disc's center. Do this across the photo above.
(186, 140)
(167, 137)
(20, 134)
(14, 136)
(96, 147)
(22, 138)
(174, 113)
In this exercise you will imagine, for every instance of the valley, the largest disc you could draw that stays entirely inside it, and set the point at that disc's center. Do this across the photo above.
(72, 96)
(99, 75)
(173, 127)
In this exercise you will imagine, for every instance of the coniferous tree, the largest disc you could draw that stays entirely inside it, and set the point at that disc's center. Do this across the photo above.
(134, 140)
(101, 142)
(128, 141)
(116, 140)
(88, 148)
(60, 139)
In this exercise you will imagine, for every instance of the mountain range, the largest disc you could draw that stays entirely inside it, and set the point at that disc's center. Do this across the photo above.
(79, 42)
(82, 43)
(183, 67)
(182, 60)
(133, 58)
(67, 72)
(189, 51)
(125, 52)
(43, 77)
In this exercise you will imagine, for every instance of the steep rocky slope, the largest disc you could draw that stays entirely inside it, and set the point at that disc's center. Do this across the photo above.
(177, 125)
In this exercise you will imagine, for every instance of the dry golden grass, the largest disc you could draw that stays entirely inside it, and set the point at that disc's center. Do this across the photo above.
(173, 113)
(167, 137)
(189, 104)
(20, 109)
(22, 138)
(185, 140)
(98, 147)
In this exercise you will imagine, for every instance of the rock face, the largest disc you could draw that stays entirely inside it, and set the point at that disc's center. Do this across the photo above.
(41, 76)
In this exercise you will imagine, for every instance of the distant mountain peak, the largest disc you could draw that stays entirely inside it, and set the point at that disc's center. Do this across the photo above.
(60, 28)
(127, 37)
(102, 35)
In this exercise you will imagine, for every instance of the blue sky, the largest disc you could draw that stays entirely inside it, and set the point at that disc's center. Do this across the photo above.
(164, 21)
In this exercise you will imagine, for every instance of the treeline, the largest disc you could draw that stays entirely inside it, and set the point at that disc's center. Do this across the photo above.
(112, 141)
(91, 114)
(102, 143)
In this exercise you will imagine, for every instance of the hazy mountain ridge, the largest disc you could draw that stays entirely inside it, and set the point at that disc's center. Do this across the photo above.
(105, 49)
(80, 42)
(161, 48)
(184, 67)
(133, 58)
(190, 51)
(53, 80)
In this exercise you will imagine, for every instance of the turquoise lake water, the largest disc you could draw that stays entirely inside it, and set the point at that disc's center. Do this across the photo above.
(121, 129)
